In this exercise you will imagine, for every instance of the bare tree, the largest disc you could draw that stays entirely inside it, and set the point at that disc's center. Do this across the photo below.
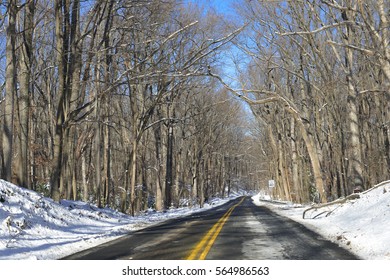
(10, 88)
(25, 89)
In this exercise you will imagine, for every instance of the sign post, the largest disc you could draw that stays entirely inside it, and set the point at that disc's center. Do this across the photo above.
(271, 186)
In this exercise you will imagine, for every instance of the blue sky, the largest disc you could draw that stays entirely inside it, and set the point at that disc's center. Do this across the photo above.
(222, 6)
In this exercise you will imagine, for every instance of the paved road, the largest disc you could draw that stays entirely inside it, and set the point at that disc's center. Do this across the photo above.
(236, 230)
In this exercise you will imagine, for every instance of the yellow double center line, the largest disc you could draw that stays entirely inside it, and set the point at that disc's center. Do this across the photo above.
(203, 247)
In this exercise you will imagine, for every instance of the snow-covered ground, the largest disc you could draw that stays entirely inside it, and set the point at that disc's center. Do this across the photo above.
(362, 225)
(35, 227)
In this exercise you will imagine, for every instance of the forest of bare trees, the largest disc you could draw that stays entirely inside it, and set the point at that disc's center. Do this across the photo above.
(127, 104)
(317, 80)
(111, 102)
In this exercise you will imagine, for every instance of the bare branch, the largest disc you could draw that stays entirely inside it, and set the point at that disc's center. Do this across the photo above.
(316, 30)
(365, 51)
(179, 31)
(240, 93)
(335, 5)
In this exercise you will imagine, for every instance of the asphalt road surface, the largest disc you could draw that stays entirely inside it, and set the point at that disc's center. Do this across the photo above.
(237, 230)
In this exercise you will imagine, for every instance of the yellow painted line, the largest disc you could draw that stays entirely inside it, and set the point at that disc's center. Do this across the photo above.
(201, 250)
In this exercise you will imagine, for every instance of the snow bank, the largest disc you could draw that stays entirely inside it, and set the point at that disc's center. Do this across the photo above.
(360, 225)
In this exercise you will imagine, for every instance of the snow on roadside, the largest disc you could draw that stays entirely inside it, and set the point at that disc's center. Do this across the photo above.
(361, 226)
(35, 227)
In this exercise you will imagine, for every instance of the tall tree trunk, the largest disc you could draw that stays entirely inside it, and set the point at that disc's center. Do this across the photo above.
(315, 162)
(385, 65)
(201, 182)
(107, 131)
(159, 191)
(99, 100)
(97, 148)
(10, 88)
(25, 61)
(107, 164)
(133, 177)
(56, 176)
(222, 175)
(195, 176)
(85, 196)
(176, 192)
(73, 96)
(355, 156)
(282, 169)
(169, 168)
(294, 161)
